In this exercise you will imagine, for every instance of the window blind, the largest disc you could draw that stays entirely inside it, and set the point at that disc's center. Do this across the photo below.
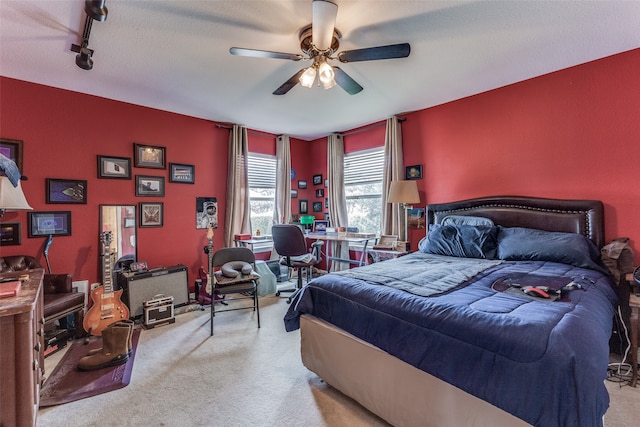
(262, 171)
(364, 167)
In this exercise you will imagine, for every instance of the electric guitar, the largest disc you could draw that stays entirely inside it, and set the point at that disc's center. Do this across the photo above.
(107, 305)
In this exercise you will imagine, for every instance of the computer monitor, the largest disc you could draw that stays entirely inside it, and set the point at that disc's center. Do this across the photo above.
(320, 226)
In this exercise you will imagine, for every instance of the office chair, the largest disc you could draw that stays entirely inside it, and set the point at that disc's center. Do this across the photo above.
(233, 262)
(290, 243)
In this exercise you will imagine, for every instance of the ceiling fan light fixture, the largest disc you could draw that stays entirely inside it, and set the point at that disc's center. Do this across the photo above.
(308, 77)
(327, 75)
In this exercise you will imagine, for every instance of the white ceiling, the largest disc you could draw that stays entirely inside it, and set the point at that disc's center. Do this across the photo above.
(173, 55)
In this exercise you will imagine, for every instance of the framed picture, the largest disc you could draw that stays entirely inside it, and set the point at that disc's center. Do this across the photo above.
(294, 194)
(12, 149)
(303, 206)
(206, 212)
(302, 185)
(149, 156)
(413, 172)
(184, 174)
(317, 179)
(114, 167)
(10, 234)
(66, 191)
(317, 206)
(326, 182)
(42, 224)
(149, 186)
(151, 214)
(129, 222)
(320, 192)
(326, 203)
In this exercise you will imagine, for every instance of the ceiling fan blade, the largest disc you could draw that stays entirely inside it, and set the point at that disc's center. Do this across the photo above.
(264, 54)
(289, 84)
(323, 23)
(391, 51)
(346, 82)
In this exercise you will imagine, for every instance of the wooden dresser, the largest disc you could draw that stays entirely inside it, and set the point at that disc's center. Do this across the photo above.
(21, 351)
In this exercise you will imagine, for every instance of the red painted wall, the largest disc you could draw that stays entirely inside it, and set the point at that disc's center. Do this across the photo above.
(63, 132)
(570, 134)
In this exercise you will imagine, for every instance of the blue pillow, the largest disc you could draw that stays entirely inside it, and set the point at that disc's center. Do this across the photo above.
(516, 244)
(460, 241)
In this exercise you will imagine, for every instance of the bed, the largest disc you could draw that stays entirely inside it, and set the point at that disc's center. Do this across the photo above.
(452, 348)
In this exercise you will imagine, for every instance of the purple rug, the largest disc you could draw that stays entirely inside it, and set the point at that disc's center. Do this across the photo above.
(67, 384)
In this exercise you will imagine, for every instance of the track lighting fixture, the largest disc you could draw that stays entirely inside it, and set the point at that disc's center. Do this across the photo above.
(95, 10)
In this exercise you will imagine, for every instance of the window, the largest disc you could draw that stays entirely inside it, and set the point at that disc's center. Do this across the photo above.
(262, 191)
(363, 188)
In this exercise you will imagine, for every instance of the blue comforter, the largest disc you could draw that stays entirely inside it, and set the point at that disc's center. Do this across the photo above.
(544, 362)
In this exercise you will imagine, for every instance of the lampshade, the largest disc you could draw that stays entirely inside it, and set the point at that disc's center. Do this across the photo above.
(326, 75)
(12, 198)
(403, 192)
(306, 219)
(308, 77)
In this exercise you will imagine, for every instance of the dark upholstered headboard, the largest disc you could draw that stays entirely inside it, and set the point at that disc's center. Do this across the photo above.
(571, 216)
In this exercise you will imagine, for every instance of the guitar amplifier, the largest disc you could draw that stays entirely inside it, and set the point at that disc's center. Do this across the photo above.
(140, 287)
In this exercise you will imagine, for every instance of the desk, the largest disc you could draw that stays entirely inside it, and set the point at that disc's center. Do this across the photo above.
(634, 303)
(341, 239)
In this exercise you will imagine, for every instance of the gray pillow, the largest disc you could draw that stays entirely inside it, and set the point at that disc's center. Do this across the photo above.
(466, 220)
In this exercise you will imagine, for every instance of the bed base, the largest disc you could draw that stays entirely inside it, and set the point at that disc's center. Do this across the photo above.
(397, 392)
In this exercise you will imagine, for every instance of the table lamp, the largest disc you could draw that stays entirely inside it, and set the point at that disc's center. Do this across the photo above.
(405, 193)
(307, 221)
(11, 198)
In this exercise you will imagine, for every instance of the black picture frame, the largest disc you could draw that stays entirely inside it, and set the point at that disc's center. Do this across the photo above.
(181, 173)
(49, 223)
(303, 206)
(114, 167)
(149, 156)
(294, 194)
(151, 214)
(302, 185)
(317, 179)
(149, 186)
(69, 191)
(413, 172)
(10, 234)
(317, 206)
(320, 193)
(12, 149)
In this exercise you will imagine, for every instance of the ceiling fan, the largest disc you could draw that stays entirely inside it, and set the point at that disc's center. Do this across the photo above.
(319, 42)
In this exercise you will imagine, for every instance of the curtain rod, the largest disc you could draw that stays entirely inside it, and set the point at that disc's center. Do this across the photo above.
(374, 126)
(252, 132)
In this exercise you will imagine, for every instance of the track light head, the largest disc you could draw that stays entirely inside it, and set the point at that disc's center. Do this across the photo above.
(83, 59)
(96, 9)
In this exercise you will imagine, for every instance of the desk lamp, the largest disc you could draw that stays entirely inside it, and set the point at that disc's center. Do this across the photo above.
(405, 193)
(307, 221)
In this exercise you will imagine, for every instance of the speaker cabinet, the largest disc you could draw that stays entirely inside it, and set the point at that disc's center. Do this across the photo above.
(140, 287)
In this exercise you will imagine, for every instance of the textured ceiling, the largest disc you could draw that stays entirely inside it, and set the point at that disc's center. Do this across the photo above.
(174, 55)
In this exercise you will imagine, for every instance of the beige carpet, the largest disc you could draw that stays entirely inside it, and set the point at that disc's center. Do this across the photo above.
(242, 376)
